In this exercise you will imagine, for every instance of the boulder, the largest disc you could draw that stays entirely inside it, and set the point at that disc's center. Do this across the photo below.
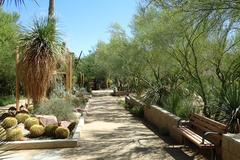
(65, 124)
(47, 119)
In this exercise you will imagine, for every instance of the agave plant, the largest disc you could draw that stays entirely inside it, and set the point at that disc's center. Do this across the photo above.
(41, 46)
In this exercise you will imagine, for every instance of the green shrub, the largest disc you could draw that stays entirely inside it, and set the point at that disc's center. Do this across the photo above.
(59, 107)
(36, 130)
(50, 130)
(30, 122)
(14, 134)
(2, 134)
(21, 117)
(62, 132)
(137, 111)
(9, 122)
(7, 100)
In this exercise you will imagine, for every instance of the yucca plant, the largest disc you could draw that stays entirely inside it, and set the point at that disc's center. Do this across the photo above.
(40, 46)
(231, 107)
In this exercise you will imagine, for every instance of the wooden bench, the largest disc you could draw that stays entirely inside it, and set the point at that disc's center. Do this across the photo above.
(205, 133)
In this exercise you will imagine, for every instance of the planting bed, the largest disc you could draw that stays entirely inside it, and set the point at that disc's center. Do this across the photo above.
(71, 141)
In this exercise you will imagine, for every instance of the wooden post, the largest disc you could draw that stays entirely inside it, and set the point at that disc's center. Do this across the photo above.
(17, 80)
(69, 73)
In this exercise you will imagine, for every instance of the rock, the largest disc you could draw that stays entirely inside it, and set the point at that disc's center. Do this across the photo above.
(25, 132)
(65, 124)
(23, 110)
(47, 119)
(5, 115)
(12, 110)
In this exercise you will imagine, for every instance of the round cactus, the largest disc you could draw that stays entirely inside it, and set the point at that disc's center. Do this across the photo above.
(9, 122)
(36, 130)
(50, 130)
(30, 122)
(2, 134)
(21, 117)
(30, 109)
(14, 134)
(62, 132)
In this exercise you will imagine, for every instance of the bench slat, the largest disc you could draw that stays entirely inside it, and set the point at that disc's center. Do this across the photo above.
(209, 123)
(195, 138)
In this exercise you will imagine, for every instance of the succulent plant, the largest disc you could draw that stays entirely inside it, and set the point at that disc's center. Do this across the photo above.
(2, 134)
(14, 134)
(62, 132)
(9, 122)
(30, 122)
(50, 130)
(36, 130)
(21, 117)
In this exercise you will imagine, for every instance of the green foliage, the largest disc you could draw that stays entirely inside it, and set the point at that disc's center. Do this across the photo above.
(14, 134)
(30, 122)
(9, 122)
(59, 107)
(50, 130)
(62, 133)
(36, 130)
(21, 117)
(5, 100)
(8, 41)
(135, 110)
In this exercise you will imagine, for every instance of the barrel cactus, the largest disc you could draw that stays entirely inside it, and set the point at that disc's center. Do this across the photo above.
(2, 134)
(36, 130)
(14, 134)
(50, 130)
(30, 122)
(21, 117)
(62, 132)
(9, 122)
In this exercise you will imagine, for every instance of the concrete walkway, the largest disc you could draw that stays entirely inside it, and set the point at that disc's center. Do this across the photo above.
(111, 133)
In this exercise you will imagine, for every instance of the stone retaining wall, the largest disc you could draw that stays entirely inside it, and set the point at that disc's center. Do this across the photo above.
(231, 147)
(159, 117)
(162, 119)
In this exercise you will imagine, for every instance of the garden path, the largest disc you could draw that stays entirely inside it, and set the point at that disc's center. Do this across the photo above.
(110, 132)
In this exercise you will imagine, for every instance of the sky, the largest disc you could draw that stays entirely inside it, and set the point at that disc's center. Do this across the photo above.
(82, 23)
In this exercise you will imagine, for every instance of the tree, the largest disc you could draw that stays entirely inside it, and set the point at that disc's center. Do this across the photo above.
(9, 31)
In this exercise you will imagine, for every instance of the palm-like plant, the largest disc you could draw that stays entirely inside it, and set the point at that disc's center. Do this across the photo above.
(40, 45)
(17, 2)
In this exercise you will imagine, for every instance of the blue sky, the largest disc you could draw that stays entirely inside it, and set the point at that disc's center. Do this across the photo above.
(82, 22)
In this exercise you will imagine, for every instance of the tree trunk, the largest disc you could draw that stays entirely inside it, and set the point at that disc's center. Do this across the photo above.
(51, 10)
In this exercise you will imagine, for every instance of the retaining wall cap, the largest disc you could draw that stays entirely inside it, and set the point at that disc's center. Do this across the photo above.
(235, 137)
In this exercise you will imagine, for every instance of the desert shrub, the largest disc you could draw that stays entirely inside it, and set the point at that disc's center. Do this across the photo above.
(30, 122)
(59, 107)
(14, 134)
(50, 130)
(78, 101)
(9, 122)
(62, 132)
(36, 130)
(21, 117)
